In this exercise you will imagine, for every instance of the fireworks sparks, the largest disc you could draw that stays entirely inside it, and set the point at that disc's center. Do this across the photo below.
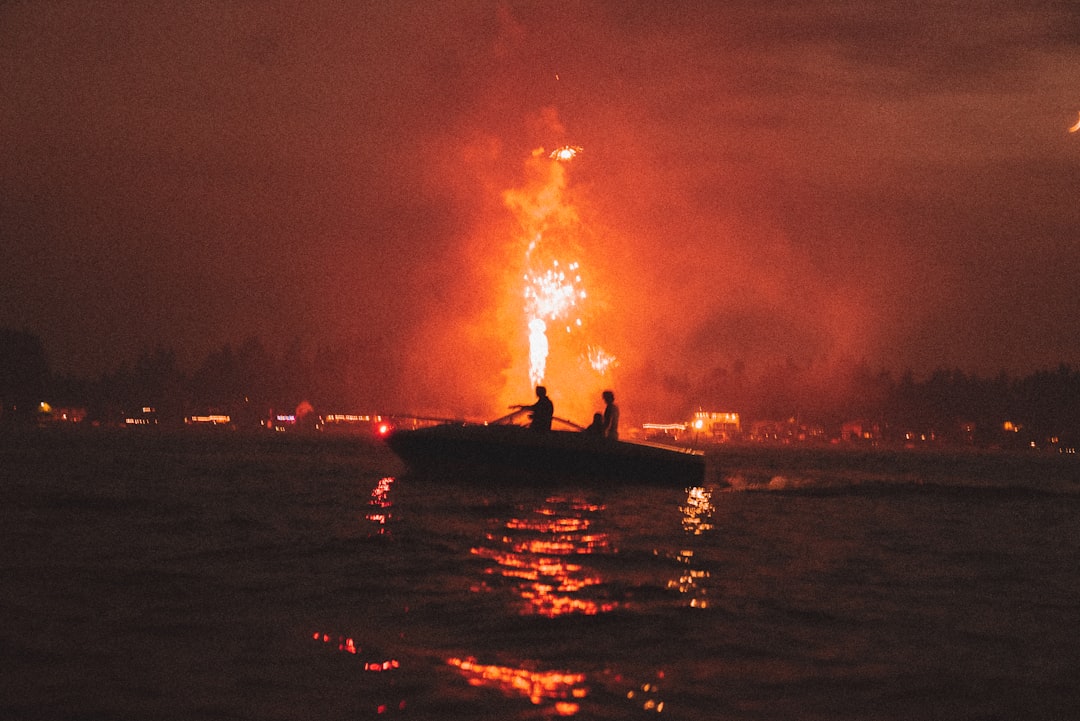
(554, 289)
(538, 350)
(600, 360)
(566, 152)
(553, 293)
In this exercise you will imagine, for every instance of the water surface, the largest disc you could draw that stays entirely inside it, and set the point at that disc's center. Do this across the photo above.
(229, 577)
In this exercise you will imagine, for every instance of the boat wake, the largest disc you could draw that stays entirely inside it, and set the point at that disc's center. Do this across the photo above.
(820, 487)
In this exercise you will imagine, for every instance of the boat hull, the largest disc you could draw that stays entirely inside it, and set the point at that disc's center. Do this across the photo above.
(507, 453)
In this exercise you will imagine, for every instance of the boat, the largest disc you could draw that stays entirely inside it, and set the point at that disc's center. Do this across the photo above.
(503, 451)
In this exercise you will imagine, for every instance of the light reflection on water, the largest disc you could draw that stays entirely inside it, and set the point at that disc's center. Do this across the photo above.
(560, 689)
(697, 515)
(547, 555)
(380, 504)
(553, 558)
(387, 698)
(545, 559)
(698, 511)
(542, 553)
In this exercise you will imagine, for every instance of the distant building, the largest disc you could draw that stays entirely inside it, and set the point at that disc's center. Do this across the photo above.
(50, 415)
(281, 422)
(913, 439)
(145, 416)
(716, 426)
(358, 423)
(210, 419)
(668, 432)
(860, 431)
(788, 431)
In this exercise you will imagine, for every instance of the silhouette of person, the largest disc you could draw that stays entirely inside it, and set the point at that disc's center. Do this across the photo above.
(542, 411)
(611, 416)
(596, 428)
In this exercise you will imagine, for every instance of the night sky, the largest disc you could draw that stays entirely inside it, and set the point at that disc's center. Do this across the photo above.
(761, 185)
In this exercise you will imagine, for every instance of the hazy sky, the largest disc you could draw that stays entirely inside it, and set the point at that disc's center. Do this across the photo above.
(762, 184)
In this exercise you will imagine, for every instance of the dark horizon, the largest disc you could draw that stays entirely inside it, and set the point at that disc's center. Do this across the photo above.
(253, 386)
(761, 189)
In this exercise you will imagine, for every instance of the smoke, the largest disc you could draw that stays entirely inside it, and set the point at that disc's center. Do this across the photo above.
(770, 202)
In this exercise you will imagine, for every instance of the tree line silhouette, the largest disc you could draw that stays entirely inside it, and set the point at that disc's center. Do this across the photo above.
(246, 381)
(249, 382)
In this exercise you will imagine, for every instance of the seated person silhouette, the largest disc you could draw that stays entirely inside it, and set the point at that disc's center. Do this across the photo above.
(596, 428)
(542, 411)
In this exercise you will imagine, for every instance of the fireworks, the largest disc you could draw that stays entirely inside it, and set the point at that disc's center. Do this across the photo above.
(566, 152)
(550, 294)
(538, 350)
(554, 292)
(600, 360)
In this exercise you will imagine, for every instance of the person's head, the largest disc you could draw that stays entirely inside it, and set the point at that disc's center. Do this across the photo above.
(541, 391)
(598, 418)
(608, 397)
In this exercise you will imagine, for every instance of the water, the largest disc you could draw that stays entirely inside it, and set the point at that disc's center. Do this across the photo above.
(222, 577)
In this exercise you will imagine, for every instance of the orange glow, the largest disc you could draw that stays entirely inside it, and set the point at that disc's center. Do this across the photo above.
(554, 294)
(537, 686)
(550, 295)
(1075, 127)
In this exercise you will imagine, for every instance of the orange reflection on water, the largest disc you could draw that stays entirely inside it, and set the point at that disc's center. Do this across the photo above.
(346, 644)
(380, 505)
(690, 580)
(697, 513)
(536, 551)
(696, 520)
(648, 696)
(564, 688)
(384, 684)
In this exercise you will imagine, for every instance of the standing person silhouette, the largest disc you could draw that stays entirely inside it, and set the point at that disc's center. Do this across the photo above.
(542, 411)
(611, 416)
